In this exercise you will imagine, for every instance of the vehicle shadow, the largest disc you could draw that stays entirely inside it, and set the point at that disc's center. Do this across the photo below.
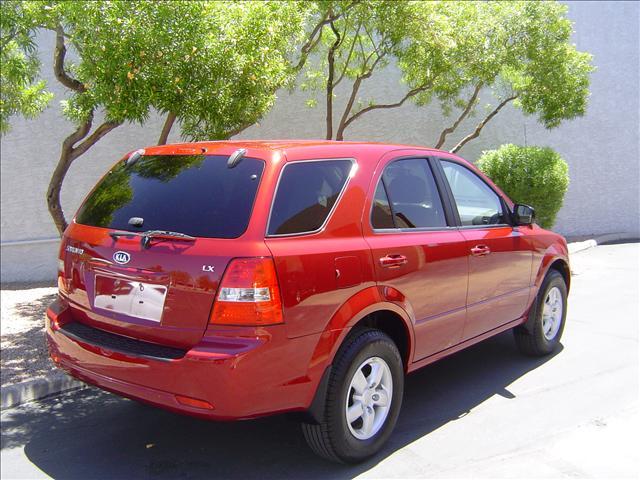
(92, 434)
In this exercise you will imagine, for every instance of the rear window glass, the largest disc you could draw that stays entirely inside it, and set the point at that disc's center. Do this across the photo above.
(306, 193)
(192, 194)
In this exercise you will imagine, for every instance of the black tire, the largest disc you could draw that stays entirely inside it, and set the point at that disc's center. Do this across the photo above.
(332, 439)
(530, 338)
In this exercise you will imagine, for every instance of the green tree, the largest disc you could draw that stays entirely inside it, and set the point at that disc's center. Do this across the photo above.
(214, 66)
(449, 52)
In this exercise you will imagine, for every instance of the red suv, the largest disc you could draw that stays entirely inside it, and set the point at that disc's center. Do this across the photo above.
(231, 280)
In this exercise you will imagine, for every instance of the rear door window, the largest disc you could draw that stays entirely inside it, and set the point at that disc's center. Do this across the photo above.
(306, 194)
(413, 197)
(381, 215)
(193, 194)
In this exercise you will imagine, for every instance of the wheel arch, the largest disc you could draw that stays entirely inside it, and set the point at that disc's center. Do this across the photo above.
(562, 267)
(385, 316)
(553, 260)
(368, 308)
(555, 257)
(384, 319)
(393, 325)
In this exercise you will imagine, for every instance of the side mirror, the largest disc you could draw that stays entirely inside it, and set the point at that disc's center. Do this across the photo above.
(523, 214)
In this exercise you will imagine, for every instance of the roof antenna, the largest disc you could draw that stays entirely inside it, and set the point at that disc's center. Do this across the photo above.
(236, 157)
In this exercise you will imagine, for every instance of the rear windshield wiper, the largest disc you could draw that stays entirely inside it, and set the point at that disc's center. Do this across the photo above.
(146, 237)
(164, 235)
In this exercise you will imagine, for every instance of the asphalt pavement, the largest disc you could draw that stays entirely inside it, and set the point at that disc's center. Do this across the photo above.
(486, 412)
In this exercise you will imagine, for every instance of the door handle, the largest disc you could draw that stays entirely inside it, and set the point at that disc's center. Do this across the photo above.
(480, 251)
(393, 261)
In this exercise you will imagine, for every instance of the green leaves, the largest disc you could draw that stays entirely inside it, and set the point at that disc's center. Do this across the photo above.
(216, 65)
(21, 91)
(520, 50)
(536, 176)
(231, 77)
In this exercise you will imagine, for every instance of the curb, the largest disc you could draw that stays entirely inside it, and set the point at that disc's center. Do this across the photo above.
(575, 247)
(37, 389)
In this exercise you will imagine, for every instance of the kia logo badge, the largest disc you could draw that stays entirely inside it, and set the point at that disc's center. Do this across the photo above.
(121, 257)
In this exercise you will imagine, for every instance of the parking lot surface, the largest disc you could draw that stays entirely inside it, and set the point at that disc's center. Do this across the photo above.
(486, 412)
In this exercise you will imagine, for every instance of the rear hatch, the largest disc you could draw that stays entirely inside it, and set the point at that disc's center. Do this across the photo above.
(145, 254)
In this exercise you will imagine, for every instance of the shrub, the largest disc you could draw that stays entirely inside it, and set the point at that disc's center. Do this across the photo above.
(537, 176)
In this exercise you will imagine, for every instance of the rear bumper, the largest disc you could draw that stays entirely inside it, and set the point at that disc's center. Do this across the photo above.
(239, 376)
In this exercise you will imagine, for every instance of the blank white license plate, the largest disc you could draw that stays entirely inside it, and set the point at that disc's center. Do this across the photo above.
(136, 299)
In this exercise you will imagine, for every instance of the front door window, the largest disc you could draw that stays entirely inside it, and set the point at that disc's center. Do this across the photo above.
(477, 203)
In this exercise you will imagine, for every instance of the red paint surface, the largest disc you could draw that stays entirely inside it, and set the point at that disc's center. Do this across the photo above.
(445, 297)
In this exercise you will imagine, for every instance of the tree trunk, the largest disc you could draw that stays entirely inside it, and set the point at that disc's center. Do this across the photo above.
(68, 154)
(64, 162)
(69, 151)
(330, 84)
(347, 109)
(166, 129)
(329, 100)
(53, 192)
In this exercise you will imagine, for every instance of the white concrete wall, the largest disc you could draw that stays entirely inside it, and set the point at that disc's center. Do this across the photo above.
(602, 148)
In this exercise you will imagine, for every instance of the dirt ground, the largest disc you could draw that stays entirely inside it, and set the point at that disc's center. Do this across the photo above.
(24, 353)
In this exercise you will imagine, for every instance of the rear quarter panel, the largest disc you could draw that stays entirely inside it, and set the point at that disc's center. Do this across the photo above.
(311, 290)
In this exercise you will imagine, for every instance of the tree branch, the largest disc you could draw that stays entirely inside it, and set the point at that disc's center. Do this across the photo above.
(346, 63)
(92, 139)
(58, 64)
(411, 93)
(166, 128)
(482, 124)
(352, 98)
(463, 115)
(81, 132)
(312, 41)
(240, 129)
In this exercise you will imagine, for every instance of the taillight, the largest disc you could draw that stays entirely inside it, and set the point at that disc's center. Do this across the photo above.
(248, 294)
(61, 276)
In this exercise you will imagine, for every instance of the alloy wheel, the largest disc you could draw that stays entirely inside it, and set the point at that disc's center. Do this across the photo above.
(369, 398)
(552, 313)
